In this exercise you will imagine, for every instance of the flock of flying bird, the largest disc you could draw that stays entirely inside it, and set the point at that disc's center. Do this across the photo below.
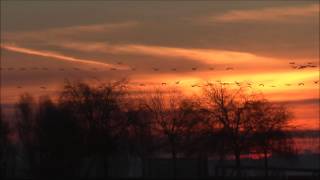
(240, 84)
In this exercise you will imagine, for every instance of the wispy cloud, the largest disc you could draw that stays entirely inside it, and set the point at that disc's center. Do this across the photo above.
(57, 56)
(62, 32)
(208, 56)
(268, 14)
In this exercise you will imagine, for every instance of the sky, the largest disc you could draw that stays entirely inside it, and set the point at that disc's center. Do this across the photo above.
(180, 44)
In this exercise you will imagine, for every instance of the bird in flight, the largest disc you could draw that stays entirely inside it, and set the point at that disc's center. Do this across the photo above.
(288, 84)
(113, 69)
(292, 63)
(174, 69)
(316, 82)
(229, 68)
(195, 85)
(19, 87)
(177, 82)
(237, 83)
(261, 85)
(142, 84)
(194, 69)
(211, 68)
(163, 84)
(302, 67)
(155, 69)
(301, 84)
(43, 87)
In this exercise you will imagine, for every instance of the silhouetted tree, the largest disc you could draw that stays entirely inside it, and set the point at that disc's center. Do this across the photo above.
(98, 110)
(4, 131)
(270, 125)
(172, 117)
(140, 135)
(26, 129)
(227, 107)
(59, 141)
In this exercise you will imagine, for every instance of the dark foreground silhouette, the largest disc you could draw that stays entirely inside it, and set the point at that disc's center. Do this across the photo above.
(107, 131)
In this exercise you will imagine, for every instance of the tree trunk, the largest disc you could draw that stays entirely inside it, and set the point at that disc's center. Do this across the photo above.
(143, 166)
(174, 161)
(106, 166)
(266, 163)
(237, 158)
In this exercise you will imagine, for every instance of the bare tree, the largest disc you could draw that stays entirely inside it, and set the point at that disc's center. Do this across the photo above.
(4, 131)
(172, 116)
(26, 128)
(59, 140)
(271, 121)
(98, 110)
(140, 135)
(227, 107)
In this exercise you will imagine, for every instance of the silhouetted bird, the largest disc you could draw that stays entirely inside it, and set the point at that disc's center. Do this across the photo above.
(302, 67)
(312, 66)
(119, 63)
(194, 69)
(113, 69)
(163, 83)
(261, 85)
(301, 84)
(19, 87)
(229, 68)
(316, 82)
(142, 84)
(177, 82)
(43, 87)
(273, 86)
(288, 84)
(155, 69)
(174, 69)
(237, 83)
(211, 68)
(292, 63)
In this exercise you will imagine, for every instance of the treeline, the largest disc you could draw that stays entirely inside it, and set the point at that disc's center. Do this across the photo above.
(95, 122)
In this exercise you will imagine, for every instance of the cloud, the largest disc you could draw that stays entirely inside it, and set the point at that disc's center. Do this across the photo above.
(55, 33)
(208, 56)
(56, 56)
(275, 14)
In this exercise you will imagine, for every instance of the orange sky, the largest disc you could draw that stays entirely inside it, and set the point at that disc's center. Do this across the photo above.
(44, 43)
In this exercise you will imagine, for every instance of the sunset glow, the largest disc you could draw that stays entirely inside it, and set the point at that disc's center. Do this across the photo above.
(204, 45)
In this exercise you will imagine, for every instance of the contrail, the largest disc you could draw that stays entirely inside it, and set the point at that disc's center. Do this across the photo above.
(58, 56)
